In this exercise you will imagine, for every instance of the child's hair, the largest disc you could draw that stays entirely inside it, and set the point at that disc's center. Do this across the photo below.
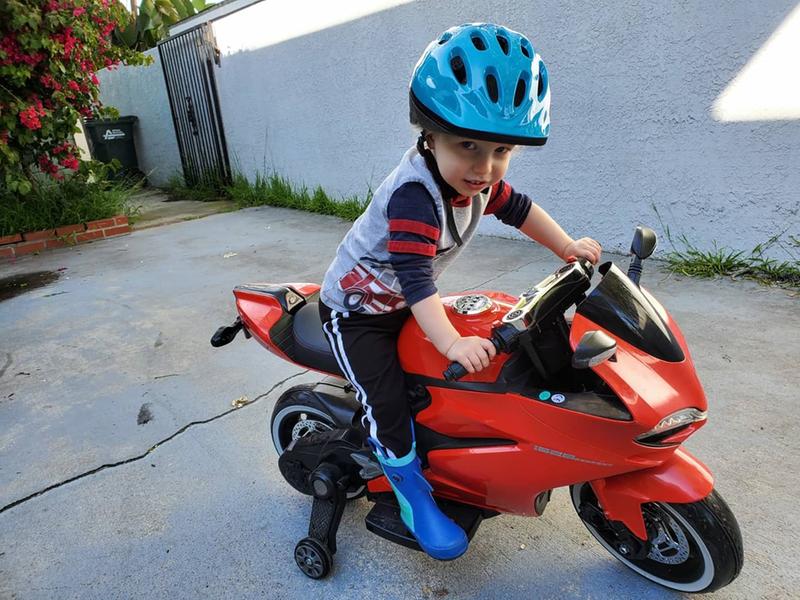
(461, 86)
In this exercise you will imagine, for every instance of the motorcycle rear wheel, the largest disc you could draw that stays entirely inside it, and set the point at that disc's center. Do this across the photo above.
(694, 547)
(297, 414)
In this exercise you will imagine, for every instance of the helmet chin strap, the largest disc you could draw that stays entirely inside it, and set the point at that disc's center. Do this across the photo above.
(451, 223)
(421, 143)
(448, 206)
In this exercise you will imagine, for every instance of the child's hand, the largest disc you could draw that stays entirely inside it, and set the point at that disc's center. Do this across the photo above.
(583, 248)
(474, 353)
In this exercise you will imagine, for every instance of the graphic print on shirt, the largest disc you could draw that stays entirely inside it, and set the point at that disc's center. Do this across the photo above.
(371, 287)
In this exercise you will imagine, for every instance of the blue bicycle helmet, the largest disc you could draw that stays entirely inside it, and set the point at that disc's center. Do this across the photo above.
(485, 82)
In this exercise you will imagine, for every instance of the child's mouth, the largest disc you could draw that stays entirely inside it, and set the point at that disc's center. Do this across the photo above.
(475, 184)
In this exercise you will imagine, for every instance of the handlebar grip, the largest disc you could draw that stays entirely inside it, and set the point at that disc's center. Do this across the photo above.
(454, 371)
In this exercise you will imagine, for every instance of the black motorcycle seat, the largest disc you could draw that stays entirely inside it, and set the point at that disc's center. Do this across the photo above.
(311, 348)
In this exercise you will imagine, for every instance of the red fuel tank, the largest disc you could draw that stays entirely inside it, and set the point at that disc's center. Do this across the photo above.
(471, 313)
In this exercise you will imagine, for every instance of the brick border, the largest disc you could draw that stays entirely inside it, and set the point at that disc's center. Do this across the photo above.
(32, 242)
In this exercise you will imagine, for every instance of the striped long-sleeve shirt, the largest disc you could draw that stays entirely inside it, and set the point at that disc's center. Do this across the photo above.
(394, 252)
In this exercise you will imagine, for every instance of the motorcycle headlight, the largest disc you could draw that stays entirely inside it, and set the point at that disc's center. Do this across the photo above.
(673, 429)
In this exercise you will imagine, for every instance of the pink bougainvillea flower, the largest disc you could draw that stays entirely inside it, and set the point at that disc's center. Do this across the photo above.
(30, 118)
(47, 165)
(70, 162)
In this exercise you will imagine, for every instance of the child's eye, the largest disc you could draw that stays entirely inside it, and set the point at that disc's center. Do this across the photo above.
(468, 145)
(503, 150)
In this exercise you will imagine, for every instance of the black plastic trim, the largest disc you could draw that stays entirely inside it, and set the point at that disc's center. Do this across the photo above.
(606, 406)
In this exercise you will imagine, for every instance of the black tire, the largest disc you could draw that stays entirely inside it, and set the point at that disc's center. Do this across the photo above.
(298, 413)
(313, 558)
(694, 547)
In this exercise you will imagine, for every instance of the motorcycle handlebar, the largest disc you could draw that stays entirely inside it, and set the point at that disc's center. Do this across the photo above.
(456, 370)
(503, 339)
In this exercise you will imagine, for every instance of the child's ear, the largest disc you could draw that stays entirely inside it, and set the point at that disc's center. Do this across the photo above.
(430, 140)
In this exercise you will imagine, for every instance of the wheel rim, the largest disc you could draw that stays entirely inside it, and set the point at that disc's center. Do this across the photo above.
(294, 422)
(309, 560)
(677, 557)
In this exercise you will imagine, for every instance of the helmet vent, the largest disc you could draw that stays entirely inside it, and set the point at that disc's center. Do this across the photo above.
(503, 44)
(491, 87)
(459, 71)
(478, 42)
(445, 36)
(519, 93)
(525, 49)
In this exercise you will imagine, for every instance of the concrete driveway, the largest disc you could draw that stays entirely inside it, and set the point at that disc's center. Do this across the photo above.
(126, 472)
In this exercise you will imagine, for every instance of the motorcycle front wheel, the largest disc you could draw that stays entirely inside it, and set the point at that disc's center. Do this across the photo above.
(694, 547)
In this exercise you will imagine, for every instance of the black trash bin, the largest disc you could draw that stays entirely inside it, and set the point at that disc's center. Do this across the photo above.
(113, 138)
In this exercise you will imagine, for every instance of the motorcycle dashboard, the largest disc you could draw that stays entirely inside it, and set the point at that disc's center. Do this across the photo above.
(552, 295)
(622, 308)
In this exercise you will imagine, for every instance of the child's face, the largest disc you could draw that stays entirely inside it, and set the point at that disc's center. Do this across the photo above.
(469, 166)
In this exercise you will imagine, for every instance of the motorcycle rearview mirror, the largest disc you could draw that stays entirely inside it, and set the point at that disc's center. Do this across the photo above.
(643, 245)
(644, 242)
(594, 348)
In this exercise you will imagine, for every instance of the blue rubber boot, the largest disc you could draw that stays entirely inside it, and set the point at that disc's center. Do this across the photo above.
(437, 534)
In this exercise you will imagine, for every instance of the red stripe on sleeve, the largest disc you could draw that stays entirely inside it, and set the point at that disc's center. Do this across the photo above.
(409, 226)
(502, 193)
(412, 248)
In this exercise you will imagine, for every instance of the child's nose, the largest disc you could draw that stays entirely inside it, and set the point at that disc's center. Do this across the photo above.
(483, 165)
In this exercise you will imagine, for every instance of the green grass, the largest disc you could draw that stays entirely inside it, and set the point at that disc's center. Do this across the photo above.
(686, 259)
(86, 196)
(271, 190)
(737, 263)
(275, 190)
(204, 192)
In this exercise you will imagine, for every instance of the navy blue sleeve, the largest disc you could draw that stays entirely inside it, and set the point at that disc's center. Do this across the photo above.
(507, 205)
(413, 233)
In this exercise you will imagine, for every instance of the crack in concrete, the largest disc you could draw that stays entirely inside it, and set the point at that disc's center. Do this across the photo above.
(149, 450)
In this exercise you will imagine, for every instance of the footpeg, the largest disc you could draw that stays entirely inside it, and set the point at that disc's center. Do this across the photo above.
(384, 519)
(370, 469)
(225, 334)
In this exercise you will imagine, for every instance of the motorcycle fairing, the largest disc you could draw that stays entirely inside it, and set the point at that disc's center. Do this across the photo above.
(566, 447)
(650, 387)
(284, 319)
(682, 478)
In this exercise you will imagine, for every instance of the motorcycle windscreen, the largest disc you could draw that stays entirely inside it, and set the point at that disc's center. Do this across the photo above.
(621, 307)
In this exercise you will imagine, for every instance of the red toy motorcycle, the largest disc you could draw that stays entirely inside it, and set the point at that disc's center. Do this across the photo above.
(600, 402)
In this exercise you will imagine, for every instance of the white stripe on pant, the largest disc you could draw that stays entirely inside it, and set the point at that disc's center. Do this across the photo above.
(336, 341)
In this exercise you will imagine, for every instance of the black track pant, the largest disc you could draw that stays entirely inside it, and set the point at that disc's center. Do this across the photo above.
(365, 347)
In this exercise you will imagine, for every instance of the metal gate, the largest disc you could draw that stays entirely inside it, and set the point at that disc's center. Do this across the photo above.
(188, 61)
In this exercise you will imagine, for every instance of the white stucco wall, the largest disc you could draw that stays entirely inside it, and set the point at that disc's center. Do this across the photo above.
(317, 91)
(141, 91)
(633, 131)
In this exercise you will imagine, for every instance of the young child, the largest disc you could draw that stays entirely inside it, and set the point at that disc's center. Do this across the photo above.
(477, 92)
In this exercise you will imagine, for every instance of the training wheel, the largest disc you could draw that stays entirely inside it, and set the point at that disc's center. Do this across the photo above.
(313, 558)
